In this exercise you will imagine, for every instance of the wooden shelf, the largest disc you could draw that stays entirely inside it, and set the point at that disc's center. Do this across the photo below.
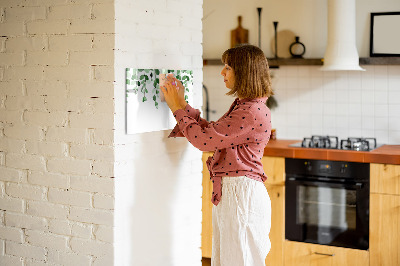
(380, 61)
(274, 63)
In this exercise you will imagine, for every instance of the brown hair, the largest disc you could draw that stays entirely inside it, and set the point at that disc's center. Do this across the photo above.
(250, 66)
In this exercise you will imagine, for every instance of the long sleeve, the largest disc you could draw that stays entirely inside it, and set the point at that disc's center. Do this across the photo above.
(231, 130)
(193, 113)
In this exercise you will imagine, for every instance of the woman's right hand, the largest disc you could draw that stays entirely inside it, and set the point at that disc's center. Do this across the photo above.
(181, 91)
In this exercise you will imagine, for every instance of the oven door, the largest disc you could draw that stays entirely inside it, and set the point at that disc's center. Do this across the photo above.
(327, 213)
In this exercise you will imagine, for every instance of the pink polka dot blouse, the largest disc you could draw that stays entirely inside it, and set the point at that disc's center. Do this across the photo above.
(238, 139)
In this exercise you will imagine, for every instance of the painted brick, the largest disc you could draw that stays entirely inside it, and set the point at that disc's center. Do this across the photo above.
(91, 26)
(91, 247)
(46, 209)
(81, 73)
(44, 27)
(12, 234)
(46, 118)
(104, 169)
(98, 120)
(60, 227)
(74, 135)
(95, 216)
(70, 12)
(25, 103)
(48, 179)
(103, 11)
(11, 88)
(24, 73)
(69, 197)
(11, 260)
(25, 221)
(104, 73)
(92, 151)
(32, 262)
(56, 149)
(46, 88)
(25, 191)
(11, 59)
(82, 230)
(105, 260)
(103, 41)
(93, 184)
(91, 89)
(71, 42)
(24, 13)
(25, 161)
(12, 145)
(11, 29)
(190, 48)
(91, 58)
(21, 43)
(12, 117)
(103, 202)
(56, 103)
(68, 258)
(3, 44)
(12, 204)
(69, 166)
(46, 58)
(104, 233)
(45, 2)
(2, 214)
(47, 240)
(24, 132)
(101, 136)
(25, 250)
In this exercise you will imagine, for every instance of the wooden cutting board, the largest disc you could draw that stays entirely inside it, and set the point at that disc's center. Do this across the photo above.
(239, 35)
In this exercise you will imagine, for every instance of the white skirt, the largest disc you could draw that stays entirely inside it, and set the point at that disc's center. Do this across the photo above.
(241, 223)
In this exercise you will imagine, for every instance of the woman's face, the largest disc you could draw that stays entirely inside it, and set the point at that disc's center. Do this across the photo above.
(229, 76)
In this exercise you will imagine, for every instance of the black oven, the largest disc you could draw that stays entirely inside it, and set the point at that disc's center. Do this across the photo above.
(327, 202)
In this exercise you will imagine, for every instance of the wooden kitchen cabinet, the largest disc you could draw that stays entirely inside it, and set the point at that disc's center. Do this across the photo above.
(274, 168)
(206, 225)
(385, 178)
(305, 254)
(384, 237)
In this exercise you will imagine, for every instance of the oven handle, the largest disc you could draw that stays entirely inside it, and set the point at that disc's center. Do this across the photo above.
(357, 185)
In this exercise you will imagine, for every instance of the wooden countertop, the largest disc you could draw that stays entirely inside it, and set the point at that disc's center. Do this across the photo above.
(389, 154)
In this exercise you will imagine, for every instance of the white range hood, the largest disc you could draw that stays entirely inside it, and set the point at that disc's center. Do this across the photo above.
(341, 51)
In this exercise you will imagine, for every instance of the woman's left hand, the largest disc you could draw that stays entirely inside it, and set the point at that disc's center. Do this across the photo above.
(171, 95)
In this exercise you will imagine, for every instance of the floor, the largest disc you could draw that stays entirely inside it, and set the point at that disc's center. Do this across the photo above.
(206, 261)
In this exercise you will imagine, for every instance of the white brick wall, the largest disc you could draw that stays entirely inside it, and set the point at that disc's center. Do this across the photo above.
(56, 132)
(158, 180)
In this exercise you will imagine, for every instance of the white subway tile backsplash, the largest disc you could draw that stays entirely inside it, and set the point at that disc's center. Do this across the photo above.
(394, 110)
(346, 103)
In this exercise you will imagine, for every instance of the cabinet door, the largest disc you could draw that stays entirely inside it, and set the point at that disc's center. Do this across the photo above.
(384, 229)
(304, 254)
(206, 226)
(385, 178)
(277, 233)
(274, 168)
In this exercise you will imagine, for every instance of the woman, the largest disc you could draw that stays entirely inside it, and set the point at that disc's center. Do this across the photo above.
(242, 208)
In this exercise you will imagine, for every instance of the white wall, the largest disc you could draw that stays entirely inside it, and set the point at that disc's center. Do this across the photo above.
(158, 180)
(311, 102)
(56, 132)
(305, 18)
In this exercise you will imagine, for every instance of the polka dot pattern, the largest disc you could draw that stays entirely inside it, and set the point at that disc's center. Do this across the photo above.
(238, 139)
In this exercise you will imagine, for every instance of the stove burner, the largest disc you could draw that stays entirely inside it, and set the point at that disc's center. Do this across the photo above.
(332, 142)
(328, 142)
(358, 144)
